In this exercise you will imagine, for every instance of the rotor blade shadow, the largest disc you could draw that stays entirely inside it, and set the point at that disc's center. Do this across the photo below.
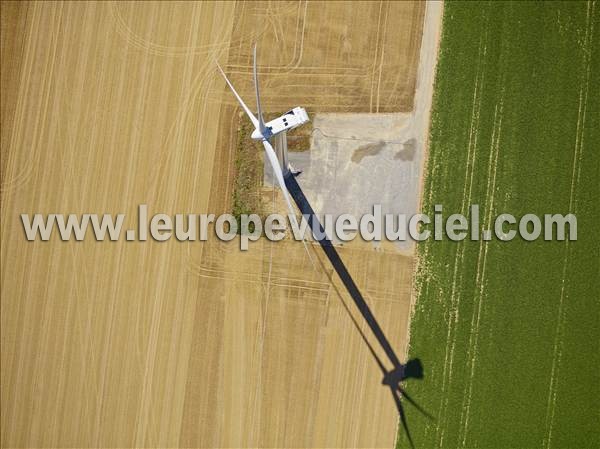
(414, 404)
(402, 417)
(357, 326)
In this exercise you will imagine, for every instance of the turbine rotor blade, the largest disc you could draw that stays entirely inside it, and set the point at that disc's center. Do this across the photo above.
(239, 99)
(270, 152)
(261, 121)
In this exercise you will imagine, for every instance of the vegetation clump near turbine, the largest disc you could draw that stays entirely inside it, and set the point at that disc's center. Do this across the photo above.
(248, 163)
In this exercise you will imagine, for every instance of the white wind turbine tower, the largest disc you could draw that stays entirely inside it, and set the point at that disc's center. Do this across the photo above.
(277, 130)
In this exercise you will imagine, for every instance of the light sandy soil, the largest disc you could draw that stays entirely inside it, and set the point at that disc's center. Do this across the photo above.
(109, 105)
(358, 160)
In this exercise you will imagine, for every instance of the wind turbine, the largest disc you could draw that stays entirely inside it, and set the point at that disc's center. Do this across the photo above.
(265, 131)
(285, 177)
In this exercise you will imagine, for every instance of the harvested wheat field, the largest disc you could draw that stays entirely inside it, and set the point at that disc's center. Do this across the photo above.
(106, 106)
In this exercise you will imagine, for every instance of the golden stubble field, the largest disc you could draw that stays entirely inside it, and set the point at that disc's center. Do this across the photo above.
(120, 344)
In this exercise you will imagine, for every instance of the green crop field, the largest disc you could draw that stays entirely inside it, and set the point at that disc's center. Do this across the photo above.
(509, 332)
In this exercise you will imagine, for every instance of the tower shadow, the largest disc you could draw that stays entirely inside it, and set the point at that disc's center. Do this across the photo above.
(393, 378)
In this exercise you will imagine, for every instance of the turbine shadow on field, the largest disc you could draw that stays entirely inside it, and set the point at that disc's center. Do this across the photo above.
(413, 369)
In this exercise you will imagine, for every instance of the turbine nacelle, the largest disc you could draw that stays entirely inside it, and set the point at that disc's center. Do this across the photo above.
(288, 121)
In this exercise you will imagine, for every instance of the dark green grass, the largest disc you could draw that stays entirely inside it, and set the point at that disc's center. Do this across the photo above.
(509, 332)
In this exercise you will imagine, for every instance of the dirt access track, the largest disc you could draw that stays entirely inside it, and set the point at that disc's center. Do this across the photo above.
(119, 344)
